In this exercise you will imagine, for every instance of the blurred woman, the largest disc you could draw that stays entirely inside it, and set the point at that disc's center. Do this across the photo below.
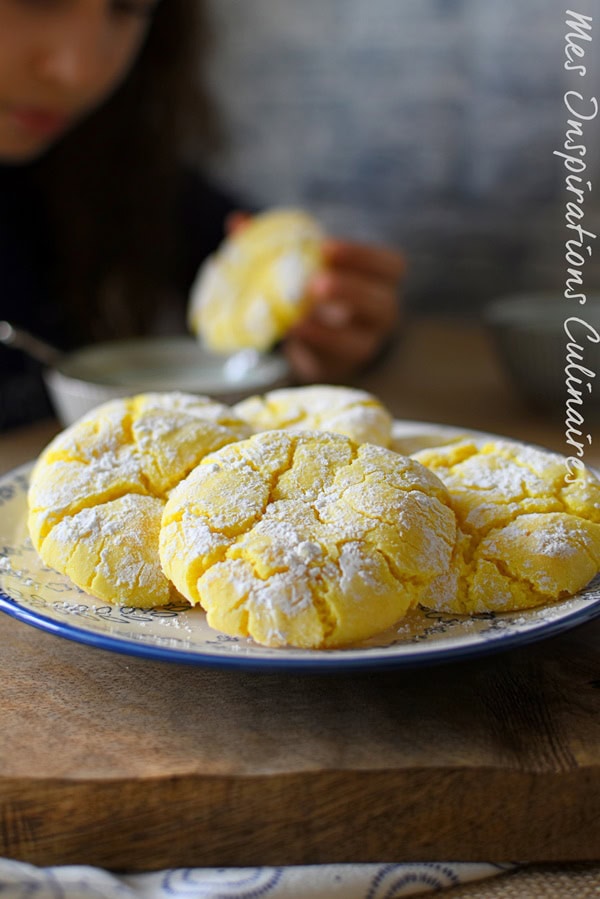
(104, 220)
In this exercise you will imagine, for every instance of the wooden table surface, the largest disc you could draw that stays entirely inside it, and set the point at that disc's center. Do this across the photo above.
(116, 761)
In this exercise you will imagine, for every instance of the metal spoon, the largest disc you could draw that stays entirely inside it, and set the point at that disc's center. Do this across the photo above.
(19, 339)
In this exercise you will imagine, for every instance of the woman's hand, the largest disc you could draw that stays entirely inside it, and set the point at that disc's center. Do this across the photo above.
(355, 309)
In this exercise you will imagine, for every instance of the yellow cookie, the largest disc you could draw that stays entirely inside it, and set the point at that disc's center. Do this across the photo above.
(526, 535)
(98, 490)
(408, 438)
(342, 410)
(306, 539)
(254, 288)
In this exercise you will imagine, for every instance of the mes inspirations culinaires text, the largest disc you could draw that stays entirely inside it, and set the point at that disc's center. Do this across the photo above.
(581, 109)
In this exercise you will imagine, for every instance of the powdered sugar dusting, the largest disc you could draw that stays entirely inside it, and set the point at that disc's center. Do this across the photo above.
(108, 474)
(528, 538)
(291, 273)
(355, 565)
(115, 544)
(238, 295)
(341, 410)
(308, 555)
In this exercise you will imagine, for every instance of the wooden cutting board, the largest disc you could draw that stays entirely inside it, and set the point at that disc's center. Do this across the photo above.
(119, 762)
(115, 761)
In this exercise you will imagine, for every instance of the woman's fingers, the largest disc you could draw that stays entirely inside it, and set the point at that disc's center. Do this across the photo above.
(237, 220)
(355, 307)
(319, 352)
(311, 366)
(371, 260)
(341, 296)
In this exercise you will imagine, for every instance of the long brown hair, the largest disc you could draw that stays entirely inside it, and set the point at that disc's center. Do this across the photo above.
(111, 184)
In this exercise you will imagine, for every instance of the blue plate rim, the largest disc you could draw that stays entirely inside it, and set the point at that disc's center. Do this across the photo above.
(323, 662)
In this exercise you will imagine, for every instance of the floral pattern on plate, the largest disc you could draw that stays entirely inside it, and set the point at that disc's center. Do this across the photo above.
(40, 596)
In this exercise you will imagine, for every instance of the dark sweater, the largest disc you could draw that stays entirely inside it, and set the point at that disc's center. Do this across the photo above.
(25, 260)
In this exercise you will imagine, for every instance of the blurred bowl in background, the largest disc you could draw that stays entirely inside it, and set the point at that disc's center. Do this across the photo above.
(81, 380)
(528, 333)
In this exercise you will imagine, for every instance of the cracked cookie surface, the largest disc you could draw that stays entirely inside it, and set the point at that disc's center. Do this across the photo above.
(306, 539)
(526, 535)
(98, 490)
(320, 407)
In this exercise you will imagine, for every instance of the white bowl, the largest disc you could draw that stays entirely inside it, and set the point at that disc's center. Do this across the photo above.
(528, 332)
(84, 379)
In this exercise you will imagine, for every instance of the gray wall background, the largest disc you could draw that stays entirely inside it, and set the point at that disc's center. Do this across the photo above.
(428, 124)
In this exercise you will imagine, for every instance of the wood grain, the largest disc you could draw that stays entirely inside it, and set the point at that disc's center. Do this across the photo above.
(124, 763)
(116, 761)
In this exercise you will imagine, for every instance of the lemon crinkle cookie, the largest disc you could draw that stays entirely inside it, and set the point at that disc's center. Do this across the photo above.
(253, 289)
(98, 490)
(320, 407)
(306, 539)
(526, 535)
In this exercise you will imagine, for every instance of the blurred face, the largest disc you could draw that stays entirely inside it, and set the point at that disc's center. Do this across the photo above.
(59, 59)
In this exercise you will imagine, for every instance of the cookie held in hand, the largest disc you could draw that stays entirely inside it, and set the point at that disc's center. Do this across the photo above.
(253, 289)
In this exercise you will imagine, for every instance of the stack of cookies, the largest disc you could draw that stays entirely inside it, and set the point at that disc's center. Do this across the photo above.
(290, 519)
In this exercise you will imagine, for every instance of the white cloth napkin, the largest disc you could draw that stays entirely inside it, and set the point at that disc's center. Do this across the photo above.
(381, 881)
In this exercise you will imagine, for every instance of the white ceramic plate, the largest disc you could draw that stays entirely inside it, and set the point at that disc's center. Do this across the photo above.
(39, 596)
(95, 374)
